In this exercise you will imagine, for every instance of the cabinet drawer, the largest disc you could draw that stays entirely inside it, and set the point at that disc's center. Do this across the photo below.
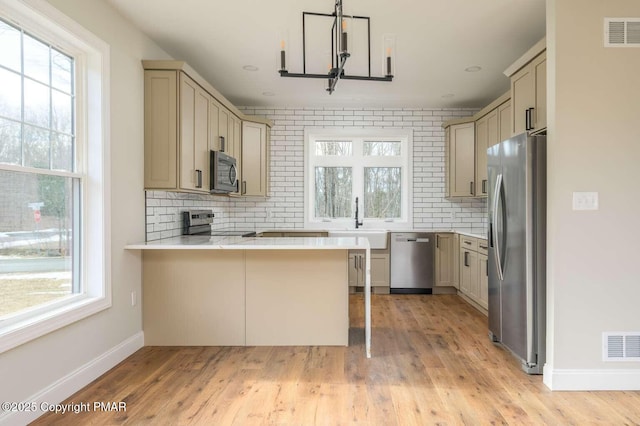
(468, 243)
(482, 247)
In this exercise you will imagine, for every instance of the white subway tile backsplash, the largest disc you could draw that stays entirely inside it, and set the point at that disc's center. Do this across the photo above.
(284, 208)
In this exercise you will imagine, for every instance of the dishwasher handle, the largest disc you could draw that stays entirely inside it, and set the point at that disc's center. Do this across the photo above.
(412, 240)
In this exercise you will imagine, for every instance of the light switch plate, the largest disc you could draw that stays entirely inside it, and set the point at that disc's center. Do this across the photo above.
(585, 201)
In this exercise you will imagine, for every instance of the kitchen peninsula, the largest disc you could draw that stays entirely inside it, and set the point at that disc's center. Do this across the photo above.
(238, 291)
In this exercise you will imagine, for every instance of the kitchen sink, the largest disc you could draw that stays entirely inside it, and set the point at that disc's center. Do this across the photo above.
(377, 238)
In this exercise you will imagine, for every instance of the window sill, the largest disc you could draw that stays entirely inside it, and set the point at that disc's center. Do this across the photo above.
(31, 328)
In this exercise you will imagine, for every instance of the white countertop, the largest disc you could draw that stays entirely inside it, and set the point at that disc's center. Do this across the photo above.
(198, 242)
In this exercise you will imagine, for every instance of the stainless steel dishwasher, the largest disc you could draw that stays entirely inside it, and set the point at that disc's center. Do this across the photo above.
(412, 262)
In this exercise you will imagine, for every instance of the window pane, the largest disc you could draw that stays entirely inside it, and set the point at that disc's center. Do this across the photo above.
(61, 71)
(61, 152)
(382, 192)
(10, 142)
(36, 59)
(10, 97)
(61, 117)
(341, 148)
(36, 103)
(36, 147)
(35, 240)
(9, 47)
(382, 148)
(333, 192)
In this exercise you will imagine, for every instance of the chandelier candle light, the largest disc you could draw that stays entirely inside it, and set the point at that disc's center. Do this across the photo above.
(339, 51)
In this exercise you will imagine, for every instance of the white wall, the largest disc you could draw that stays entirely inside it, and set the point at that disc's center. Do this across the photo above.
(284, 208)
(34, 367)
(593, 145)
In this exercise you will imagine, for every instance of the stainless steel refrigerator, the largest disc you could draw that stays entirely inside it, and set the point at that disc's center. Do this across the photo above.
(517, 240)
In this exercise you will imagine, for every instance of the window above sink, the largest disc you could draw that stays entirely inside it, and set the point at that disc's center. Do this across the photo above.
(373, 165)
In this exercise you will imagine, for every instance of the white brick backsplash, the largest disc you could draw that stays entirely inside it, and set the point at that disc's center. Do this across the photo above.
(284, 208)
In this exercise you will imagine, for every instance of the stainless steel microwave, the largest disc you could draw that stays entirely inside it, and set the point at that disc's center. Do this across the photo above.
(224, 173)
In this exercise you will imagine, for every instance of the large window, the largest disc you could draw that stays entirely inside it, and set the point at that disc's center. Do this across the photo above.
(372, 166)
(52, 172)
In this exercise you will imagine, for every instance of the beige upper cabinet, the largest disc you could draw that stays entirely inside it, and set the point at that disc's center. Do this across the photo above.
(460, 160)
(529, 97)
(161, 129)
(176, 132)
(194, 136)
(504, 121)
(255, 159)
(233, 147)
(186, 118)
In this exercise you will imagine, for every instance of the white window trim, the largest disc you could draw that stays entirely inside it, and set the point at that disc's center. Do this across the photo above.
(93, 127)
(312, 133)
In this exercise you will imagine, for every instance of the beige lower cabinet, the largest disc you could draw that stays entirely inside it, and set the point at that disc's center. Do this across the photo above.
(474, 280)
(245, 297)
(379, 270)
(445, 260)
(469, 273)
(483, 278)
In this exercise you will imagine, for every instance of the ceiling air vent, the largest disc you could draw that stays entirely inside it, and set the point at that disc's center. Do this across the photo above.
(623, 346)
(622, 32)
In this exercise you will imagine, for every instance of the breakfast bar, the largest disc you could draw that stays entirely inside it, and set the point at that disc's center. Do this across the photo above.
(238, 291)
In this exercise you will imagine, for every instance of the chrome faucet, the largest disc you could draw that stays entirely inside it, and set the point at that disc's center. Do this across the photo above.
(358, 224)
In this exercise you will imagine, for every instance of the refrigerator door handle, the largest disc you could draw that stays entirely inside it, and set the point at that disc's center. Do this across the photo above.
(496, 199)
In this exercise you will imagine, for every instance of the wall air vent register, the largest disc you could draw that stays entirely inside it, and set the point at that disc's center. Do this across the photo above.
(621, 32)
(621, 346)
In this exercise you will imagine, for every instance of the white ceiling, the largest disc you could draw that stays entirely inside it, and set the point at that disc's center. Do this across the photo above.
(435, 40)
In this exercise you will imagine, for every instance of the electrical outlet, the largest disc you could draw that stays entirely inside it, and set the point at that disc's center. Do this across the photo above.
(453, 214)
(585, 201)
(269, 214)
(134, 298)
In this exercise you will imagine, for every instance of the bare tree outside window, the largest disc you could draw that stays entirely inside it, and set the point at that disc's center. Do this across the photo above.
(382, 192)
(382, 149)
(333, 192)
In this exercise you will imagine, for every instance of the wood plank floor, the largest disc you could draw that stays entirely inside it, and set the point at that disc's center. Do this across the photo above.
(432, 364)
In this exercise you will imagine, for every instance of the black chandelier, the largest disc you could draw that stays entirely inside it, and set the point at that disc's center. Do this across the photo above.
(339, 51)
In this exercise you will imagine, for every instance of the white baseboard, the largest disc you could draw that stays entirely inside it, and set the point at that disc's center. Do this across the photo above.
(76, 380)
(591, 380)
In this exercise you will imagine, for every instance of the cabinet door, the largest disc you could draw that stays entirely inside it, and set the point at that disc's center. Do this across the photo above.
(539, 66)
(235, 147)
(523, 97)
(504, 121)
(462, 160)
(379, 270)
(444, 260)
(469, 284)
(254, 159)
(483, 281)
(214, 125)
(486, 133)
(223, 129)
(465, 271)
(194, 135)
(160, 129)
(353, 269)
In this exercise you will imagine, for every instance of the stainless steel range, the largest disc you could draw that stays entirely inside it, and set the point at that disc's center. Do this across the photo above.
(198, 222)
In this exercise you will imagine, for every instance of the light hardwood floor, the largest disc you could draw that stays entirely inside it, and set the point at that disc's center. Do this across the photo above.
(432, 364)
